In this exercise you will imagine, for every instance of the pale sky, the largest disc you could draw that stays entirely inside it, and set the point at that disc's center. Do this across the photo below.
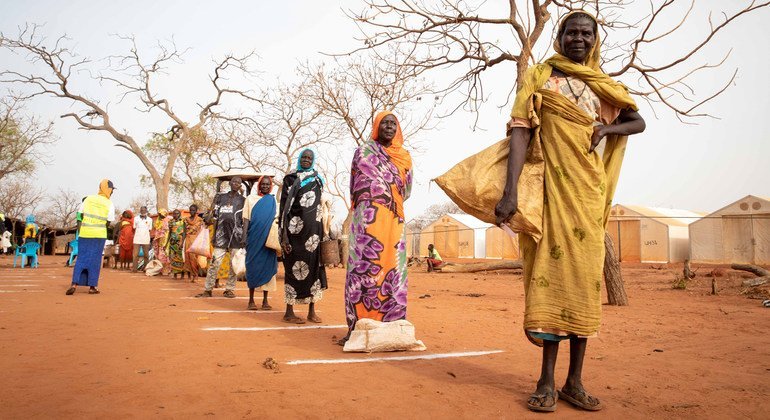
(697, 167)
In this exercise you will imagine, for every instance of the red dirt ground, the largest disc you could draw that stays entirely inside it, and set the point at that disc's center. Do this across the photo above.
(134, 352)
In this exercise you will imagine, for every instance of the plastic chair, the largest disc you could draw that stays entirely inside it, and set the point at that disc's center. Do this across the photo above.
(27, 251)
(73, 251)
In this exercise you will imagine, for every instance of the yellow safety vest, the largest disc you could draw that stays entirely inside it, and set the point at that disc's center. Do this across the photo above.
(96, 208)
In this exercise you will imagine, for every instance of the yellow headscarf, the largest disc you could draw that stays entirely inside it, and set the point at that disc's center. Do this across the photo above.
(106, 188)
(400, 157)
(589, 72)
(162, 213)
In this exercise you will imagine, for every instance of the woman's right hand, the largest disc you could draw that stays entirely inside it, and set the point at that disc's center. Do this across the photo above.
(506, 207)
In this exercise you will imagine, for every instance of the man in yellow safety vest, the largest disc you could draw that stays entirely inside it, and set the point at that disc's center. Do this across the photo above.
(97, 213)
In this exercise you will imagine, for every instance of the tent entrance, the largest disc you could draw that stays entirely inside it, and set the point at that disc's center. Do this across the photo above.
(447, 239)
(745, 239)
(626, 238)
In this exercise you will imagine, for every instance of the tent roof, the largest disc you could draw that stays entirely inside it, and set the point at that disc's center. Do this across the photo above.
(670, 217)
(469, 221)
(765, 200)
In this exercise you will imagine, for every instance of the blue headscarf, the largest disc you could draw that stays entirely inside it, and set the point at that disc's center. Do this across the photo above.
(310, 178)
(30, 219)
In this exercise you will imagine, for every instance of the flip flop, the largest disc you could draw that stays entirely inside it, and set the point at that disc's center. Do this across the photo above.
(543, 409)
(71, 291)
(266, 308)
(252, 308)
(580, 404)
(93, 292)
(295, 320)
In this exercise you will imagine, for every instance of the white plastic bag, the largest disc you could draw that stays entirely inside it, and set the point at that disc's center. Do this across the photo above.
(238, 263)
(154, 268)
(370, 336)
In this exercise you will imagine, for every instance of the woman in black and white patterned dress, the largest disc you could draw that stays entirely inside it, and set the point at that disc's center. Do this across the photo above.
(301, 234)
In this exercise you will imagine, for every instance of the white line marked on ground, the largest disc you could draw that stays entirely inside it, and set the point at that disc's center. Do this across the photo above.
(214, 297)
(307, 327)
(227, 311)
(20, 291)
(394, 358)
(21, 285)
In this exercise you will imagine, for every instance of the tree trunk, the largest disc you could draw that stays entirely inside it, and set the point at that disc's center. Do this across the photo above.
(476, 267)
(764, 275)
(687, 271)
(161, 195)
(759, 271)
(613, 279)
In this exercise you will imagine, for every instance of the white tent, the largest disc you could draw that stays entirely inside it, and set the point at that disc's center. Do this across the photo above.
(736, 233)
(650, 234)
(501, 245)
(455, 235)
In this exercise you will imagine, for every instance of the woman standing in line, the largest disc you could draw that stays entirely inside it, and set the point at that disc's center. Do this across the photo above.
(261, 261)
(192, 226)
(126, 239)
(160, 239)
(563, 109)
(176, 231)
(301, 234)
(380, 182)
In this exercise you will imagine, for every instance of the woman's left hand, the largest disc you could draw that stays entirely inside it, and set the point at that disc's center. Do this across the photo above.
(596, 138)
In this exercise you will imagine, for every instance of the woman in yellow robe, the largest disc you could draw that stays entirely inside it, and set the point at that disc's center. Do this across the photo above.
(562, 188)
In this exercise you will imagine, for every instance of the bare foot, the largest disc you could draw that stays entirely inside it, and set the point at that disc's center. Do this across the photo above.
(314, 318)
(266, 307)
(252, 306)
(293, 320)
(343, 340)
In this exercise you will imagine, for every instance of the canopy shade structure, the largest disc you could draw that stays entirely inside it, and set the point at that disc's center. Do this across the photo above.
(248, 177)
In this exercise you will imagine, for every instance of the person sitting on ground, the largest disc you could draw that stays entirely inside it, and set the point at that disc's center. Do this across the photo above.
(226, 215)
(98, 212)
(434, 259)
(261, 261)
(142, 227)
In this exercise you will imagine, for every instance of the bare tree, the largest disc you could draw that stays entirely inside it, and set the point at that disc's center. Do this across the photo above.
(190, 182)
(351, 92)
(433, 212)
(289, 122)
(23, 137)
(62, 211)
(137, 201)
(132, 74)
(467, 40)
(18, 199)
